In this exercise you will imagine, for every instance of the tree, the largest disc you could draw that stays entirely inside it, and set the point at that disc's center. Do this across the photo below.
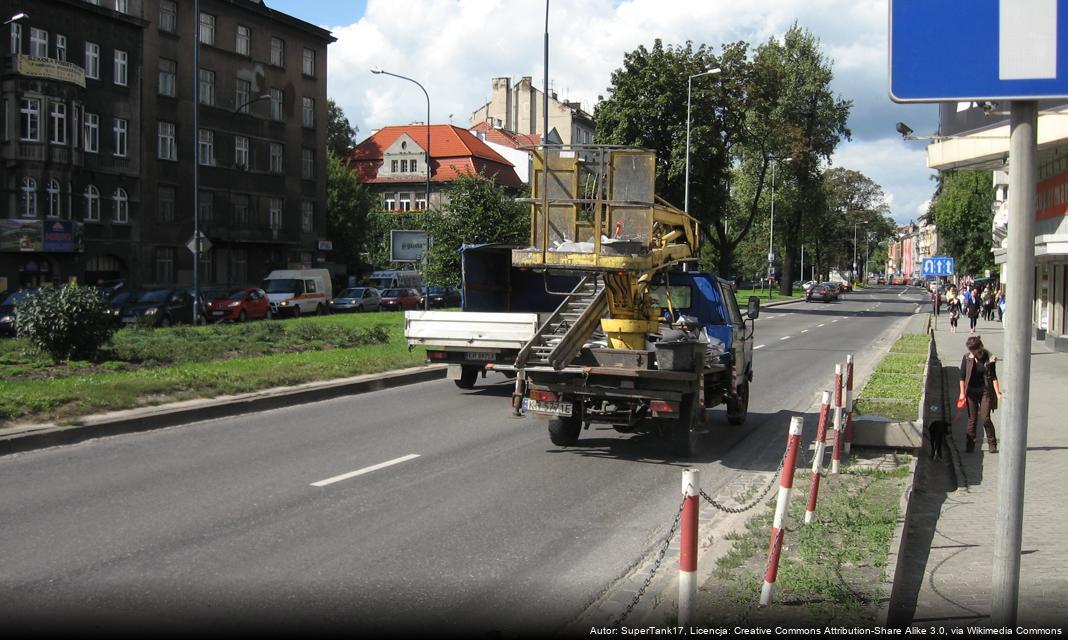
(856, 208)
(340, 135)
(963, 211)
(347, 204)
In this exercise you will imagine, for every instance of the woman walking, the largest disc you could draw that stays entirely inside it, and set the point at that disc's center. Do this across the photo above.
(954, 313)
(972, 307)
(980, 390)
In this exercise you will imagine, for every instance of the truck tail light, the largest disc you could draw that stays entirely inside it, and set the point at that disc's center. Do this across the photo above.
(543, 396)
(437, 355)
(663, 406)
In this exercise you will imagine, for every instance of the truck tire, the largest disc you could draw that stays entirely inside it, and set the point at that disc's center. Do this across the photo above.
(683, 435)
(564, 432)
(738, 410)
(468, 376)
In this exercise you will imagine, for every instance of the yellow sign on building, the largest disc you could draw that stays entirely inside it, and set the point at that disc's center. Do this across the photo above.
(51, 69)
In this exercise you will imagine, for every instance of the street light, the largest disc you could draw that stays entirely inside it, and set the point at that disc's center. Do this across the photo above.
(17, 17)
(689, 88)
(771, 231)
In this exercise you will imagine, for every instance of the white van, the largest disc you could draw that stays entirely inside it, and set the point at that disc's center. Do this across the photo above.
(299, 291)
(395, 279)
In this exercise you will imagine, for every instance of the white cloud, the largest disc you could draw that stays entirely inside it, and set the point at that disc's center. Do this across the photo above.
(899, 167)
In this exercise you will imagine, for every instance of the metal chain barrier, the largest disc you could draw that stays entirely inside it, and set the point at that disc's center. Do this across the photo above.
(763, 494)
(656, 565)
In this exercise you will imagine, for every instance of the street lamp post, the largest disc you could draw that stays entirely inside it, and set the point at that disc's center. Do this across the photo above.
(17, 17)
(689, 88)
(771, 230)
(196, 161)
(855, 251)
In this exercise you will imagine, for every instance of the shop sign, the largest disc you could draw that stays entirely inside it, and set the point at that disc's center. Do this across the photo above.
(50, 69)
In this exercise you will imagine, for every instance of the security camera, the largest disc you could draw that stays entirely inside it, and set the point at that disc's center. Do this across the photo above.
(904, 129)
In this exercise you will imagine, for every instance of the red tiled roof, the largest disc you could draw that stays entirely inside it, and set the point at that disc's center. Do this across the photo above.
(453, 152)
(506, 137)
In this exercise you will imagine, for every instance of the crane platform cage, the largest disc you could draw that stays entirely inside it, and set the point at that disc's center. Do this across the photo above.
(593, 207)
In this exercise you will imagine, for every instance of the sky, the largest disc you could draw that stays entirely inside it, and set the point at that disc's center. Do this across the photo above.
(455, 47)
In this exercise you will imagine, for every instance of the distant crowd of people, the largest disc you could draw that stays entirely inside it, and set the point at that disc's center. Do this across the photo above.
(974, 302)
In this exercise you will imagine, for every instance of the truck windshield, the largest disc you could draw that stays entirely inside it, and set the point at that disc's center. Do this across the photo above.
(680, 296)
(285, 285)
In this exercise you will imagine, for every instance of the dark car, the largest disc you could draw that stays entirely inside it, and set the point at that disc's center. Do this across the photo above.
(160, 308)
(240, 305)
(8, 310)
(823, 292)
(357, 299)
(442, 296)
(394, 299)
(120, 299)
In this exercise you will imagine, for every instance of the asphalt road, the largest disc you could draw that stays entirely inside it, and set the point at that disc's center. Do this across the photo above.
(461, 520)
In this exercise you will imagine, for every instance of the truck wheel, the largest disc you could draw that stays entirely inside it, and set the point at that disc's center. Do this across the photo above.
(738, 410)
(468, 376)
(683, 436)
(564, 432)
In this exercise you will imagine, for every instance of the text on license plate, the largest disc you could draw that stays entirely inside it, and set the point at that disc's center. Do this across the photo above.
(553, 408)
(481, 356)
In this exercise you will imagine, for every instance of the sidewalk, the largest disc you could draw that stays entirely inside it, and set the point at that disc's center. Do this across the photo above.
(948, 565)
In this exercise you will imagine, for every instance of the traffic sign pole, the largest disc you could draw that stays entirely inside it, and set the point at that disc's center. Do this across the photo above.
(1015, 383)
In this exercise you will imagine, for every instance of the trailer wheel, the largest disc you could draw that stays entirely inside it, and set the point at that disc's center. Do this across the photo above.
(738, 410)
(683, 436)
(564, 432)
(468, 376)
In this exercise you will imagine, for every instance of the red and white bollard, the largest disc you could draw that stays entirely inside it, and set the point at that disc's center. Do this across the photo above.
(691, 491)
(786, 485)
(817, 461)
(837, 455)
(849, 405)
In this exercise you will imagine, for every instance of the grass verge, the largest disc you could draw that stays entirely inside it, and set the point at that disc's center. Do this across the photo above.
(743, 295)
(895, 388)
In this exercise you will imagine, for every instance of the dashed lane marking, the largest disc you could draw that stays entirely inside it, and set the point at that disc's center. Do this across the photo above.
(759, 346)
(360, 472)
(784, 338)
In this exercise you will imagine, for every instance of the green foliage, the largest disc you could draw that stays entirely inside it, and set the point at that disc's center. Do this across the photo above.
(347, 204)
(963, 211)
(65, 322)
(340, 135)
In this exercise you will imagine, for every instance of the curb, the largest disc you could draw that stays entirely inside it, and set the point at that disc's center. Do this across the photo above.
(28, 438)
(895, 558)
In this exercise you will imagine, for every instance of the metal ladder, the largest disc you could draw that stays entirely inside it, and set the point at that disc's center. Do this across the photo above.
(559, 340)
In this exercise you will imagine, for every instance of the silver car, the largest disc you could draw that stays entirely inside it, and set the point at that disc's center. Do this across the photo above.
(357, 299)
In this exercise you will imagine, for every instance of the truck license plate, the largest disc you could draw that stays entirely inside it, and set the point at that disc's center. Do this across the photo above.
(551, 408)
(480, 356)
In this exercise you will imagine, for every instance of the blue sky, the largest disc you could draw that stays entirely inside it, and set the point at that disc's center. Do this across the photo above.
(331, 12)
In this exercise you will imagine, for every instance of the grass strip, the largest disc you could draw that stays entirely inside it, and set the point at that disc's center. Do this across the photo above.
(743, 295)
(895, 388)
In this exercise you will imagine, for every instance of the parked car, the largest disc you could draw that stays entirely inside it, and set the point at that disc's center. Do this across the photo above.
(240, 305)
(824, 292)
(120, 299)
(880, 280)
(160, 308)
(9, 310)
(835, 287)
(442, 296)
(404, 299)
(357, 299)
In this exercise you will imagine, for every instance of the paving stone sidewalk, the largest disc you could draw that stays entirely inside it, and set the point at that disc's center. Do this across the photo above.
(947, 575)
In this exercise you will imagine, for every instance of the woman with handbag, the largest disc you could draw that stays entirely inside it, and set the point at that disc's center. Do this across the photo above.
(979, 391)
(972, 307)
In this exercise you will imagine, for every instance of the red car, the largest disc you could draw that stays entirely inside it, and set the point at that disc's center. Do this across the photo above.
(240, 305)
(403, 299)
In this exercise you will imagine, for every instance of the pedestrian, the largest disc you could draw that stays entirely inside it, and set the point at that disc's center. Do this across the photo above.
(954, 312)
(988, 303)
(1001, 304)
(972, 307)
(936, 301)
(980, 390)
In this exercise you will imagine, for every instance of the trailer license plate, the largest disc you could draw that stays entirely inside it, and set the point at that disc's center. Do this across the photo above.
(480, 356)
(551, 408)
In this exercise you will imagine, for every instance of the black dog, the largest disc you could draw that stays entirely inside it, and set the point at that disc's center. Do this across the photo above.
(936, 433)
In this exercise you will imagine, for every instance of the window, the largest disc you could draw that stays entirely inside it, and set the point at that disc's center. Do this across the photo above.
(240, 204)
(405, 203)
(121, 129)
(390, 202)
(404, 166)
(54, 209)
(307, 216)
(165, 201)
(168, 70)
(38, 42)
(76, 126)
(122, 206)
(165, 265)
(278, 52)
(240, 265)
(168, 147)
(92, 60)
(28, 201)
(121, 59)
(30, 120)
(244, 39)
(394, 166)
(92, 203)
(207, 87)
(207, 28)
(122, 6)
(168, 16)
(57, 113)
(307, 164)
(92, 132)
(307, 67)
(241, 152)
(276, 158)
(276, 104)
(308, 112)
(413, 166)
(16, 38)
(420, 203)
(274, 213)
(61, 47)
(206, 148)
(242, 93)
(206, 206)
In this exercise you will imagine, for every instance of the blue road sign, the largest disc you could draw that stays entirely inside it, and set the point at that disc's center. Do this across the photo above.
(938, 266)
(970, 50)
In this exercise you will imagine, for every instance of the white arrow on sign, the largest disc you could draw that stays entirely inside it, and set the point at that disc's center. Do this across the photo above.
(1027, 39)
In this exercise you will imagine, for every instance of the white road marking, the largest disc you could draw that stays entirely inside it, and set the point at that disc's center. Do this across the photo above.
(360, 472)
(784, 338)
(759, 346)
(833, 321)
(804, 331)
(822, 325)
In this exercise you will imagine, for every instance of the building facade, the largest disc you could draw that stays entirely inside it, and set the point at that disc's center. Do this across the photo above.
(519, 108)
(912, 244)
(257, 153)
